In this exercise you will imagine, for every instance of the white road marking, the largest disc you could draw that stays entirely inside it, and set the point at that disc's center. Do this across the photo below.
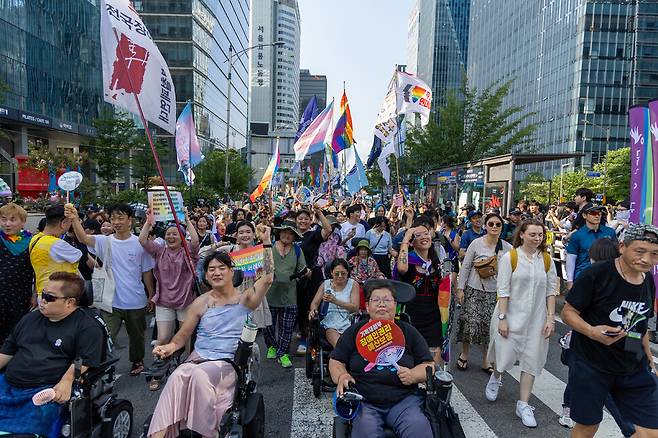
(550, 390)
(311, 417)
(473, 424)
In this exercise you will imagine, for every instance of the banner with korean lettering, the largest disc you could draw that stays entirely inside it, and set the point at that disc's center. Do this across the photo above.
(132, 64)
(638, 120)
(651, 160)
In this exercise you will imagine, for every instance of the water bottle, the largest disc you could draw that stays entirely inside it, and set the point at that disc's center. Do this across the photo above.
(247, 338)
(443, 381)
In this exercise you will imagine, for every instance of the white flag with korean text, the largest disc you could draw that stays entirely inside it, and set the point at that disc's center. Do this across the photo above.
(386, 124)
(132, 64)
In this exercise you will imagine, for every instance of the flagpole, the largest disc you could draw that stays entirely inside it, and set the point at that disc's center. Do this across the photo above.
(155, 154)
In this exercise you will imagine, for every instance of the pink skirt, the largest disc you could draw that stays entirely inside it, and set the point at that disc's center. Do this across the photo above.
(195, 397)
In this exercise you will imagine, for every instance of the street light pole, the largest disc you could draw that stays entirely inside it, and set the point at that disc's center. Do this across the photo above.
(229, 59)
(228, 119)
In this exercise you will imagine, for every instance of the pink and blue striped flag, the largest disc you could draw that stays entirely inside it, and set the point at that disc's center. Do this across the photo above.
(314, 138)
(188, 152)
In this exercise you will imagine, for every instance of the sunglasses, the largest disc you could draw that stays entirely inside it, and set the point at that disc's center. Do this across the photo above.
(50, 298)
(494, 224)
(594, 213)
(339, 274)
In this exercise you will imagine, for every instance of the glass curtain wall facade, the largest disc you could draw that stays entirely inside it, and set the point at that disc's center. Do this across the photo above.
(442, 33)
(194, 37)
(572, 61)
(311, 85)
(286, 65)
(38, 41)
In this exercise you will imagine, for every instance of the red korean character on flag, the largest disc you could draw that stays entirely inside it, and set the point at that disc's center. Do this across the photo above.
(129, 66)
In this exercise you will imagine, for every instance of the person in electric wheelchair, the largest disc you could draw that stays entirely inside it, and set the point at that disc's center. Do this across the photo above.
(391, 397)
(201, 390)
(55, 367)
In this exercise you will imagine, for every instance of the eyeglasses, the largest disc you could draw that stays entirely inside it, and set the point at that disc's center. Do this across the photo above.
(494, 224)
(379, 301)
(339, 274)
(50, 298)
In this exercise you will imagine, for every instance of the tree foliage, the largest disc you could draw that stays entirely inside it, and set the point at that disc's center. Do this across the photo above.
(210, 172)
(472, 126)
(142, 164)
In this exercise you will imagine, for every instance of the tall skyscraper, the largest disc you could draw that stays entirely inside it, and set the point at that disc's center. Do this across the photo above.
(438, 44)
(274, 82)
(575, 64)
(194, 36)
(50, 64)
(309, 86)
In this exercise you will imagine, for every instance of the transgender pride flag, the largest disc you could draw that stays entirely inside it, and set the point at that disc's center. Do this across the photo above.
(188, 152)
(314, 138)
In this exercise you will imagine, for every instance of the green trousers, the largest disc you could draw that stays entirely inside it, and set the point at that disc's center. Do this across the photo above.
(135, 320)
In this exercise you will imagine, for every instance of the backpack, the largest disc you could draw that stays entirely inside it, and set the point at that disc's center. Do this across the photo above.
(514, 258)
(330, 250)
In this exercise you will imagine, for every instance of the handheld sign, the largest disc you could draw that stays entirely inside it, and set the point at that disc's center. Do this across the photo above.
(69, 181)
(248, 260)
(381, 343)
(304, 195)
(160, 206)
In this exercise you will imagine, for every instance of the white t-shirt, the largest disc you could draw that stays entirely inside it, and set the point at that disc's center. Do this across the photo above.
(345, 229)
(129, 261)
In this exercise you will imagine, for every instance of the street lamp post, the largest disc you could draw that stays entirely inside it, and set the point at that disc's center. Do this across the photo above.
(231, 56)
(607, 149)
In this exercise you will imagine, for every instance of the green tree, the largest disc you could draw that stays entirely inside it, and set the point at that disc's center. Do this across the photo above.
(108, 151)
(617, 180)
(472, 126)
(210, 172)
(142, 164)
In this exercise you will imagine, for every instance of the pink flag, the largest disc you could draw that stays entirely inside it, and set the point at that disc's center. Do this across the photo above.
(188, 152)
(314, 138)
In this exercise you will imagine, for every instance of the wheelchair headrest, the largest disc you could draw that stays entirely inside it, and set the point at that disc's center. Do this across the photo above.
(238, 277)
(404, 292)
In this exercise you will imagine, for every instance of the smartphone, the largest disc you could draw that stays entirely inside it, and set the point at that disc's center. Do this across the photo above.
(612, 334)
(398, 201)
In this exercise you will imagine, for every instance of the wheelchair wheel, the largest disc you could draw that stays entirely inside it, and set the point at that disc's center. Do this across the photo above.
(309, 362)
(256, 427)
(120, 425)
(317, 386)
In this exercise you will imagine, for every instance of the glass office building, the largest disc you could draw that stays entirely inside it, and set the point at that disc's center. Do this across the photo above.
(194, 37)
(311, 85)
(576, 64)
(50, 63)
(438, 44)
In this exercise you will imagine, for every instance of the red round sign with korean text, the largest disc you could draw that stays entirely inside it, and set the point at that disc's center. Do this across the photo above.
(381, 343)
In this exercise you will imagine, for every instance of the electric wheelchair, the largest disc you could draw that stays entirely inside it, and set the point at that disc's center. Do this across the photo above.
(94, 411)
(246, 416)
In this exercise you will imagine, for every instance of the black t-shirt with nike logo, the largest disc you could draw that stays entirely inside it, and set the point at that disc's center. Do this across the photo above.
(603, 297)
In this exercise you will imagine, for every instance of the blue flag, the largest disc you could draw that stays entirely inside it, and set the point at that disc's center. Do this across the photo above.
(310, 113)
(356, 178)
(375, 152)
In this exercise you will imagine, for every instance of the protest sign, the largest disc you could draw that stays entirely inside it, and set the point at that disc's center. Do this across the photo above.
(160, 206)
(380, 343)
(248, 260)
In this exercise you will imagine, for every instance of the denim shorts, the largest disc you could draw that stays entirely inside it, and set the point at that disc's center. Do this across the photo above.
(635, 395)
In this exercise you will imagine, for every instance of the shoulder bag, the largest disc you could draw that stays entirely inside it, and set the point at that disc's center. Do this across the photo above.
(102, 280)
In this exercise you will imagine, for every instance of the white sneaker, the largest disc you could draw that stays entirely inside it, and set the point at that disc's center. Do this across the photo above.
(491, 390)
(526, 413)
(565, 420)
(301, 349)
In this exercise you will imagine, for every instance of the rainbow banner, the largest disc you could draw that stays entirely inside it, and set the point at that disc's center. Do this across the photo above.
(268, 175)
(445, 310)
(248, 260)
(343, 136)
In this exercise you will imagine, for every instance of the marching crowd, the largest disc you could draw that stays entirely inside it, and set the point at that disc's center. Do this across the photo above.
(480, 278)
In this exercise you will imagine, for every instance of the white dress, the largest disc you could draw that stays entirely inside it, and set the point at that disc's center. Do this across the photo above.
(527, 289)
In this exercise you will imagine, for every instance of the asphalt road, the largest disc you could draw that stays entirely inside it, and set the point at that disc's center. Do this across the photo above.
(292, 411)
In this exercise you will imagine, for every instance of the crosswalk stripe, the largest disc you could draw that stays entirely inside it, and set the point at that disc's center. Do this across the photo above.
(473, 424)
(549, 390)
(311, 417)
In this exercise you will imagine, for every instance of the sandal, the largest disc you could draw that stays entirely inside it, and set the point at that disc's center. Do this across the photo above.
(488, 370)
(462, 364)
(137, 368)
(154, 384)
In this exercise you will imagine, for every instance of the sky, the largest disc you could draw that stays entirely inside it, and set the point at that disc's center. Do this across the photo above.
(359, 42)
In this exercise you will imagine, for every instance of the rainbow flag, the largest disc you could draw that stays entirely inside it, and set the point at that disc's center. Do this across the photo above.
(188, 152)
(248, 260)
(266, 180)
(343, 136)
